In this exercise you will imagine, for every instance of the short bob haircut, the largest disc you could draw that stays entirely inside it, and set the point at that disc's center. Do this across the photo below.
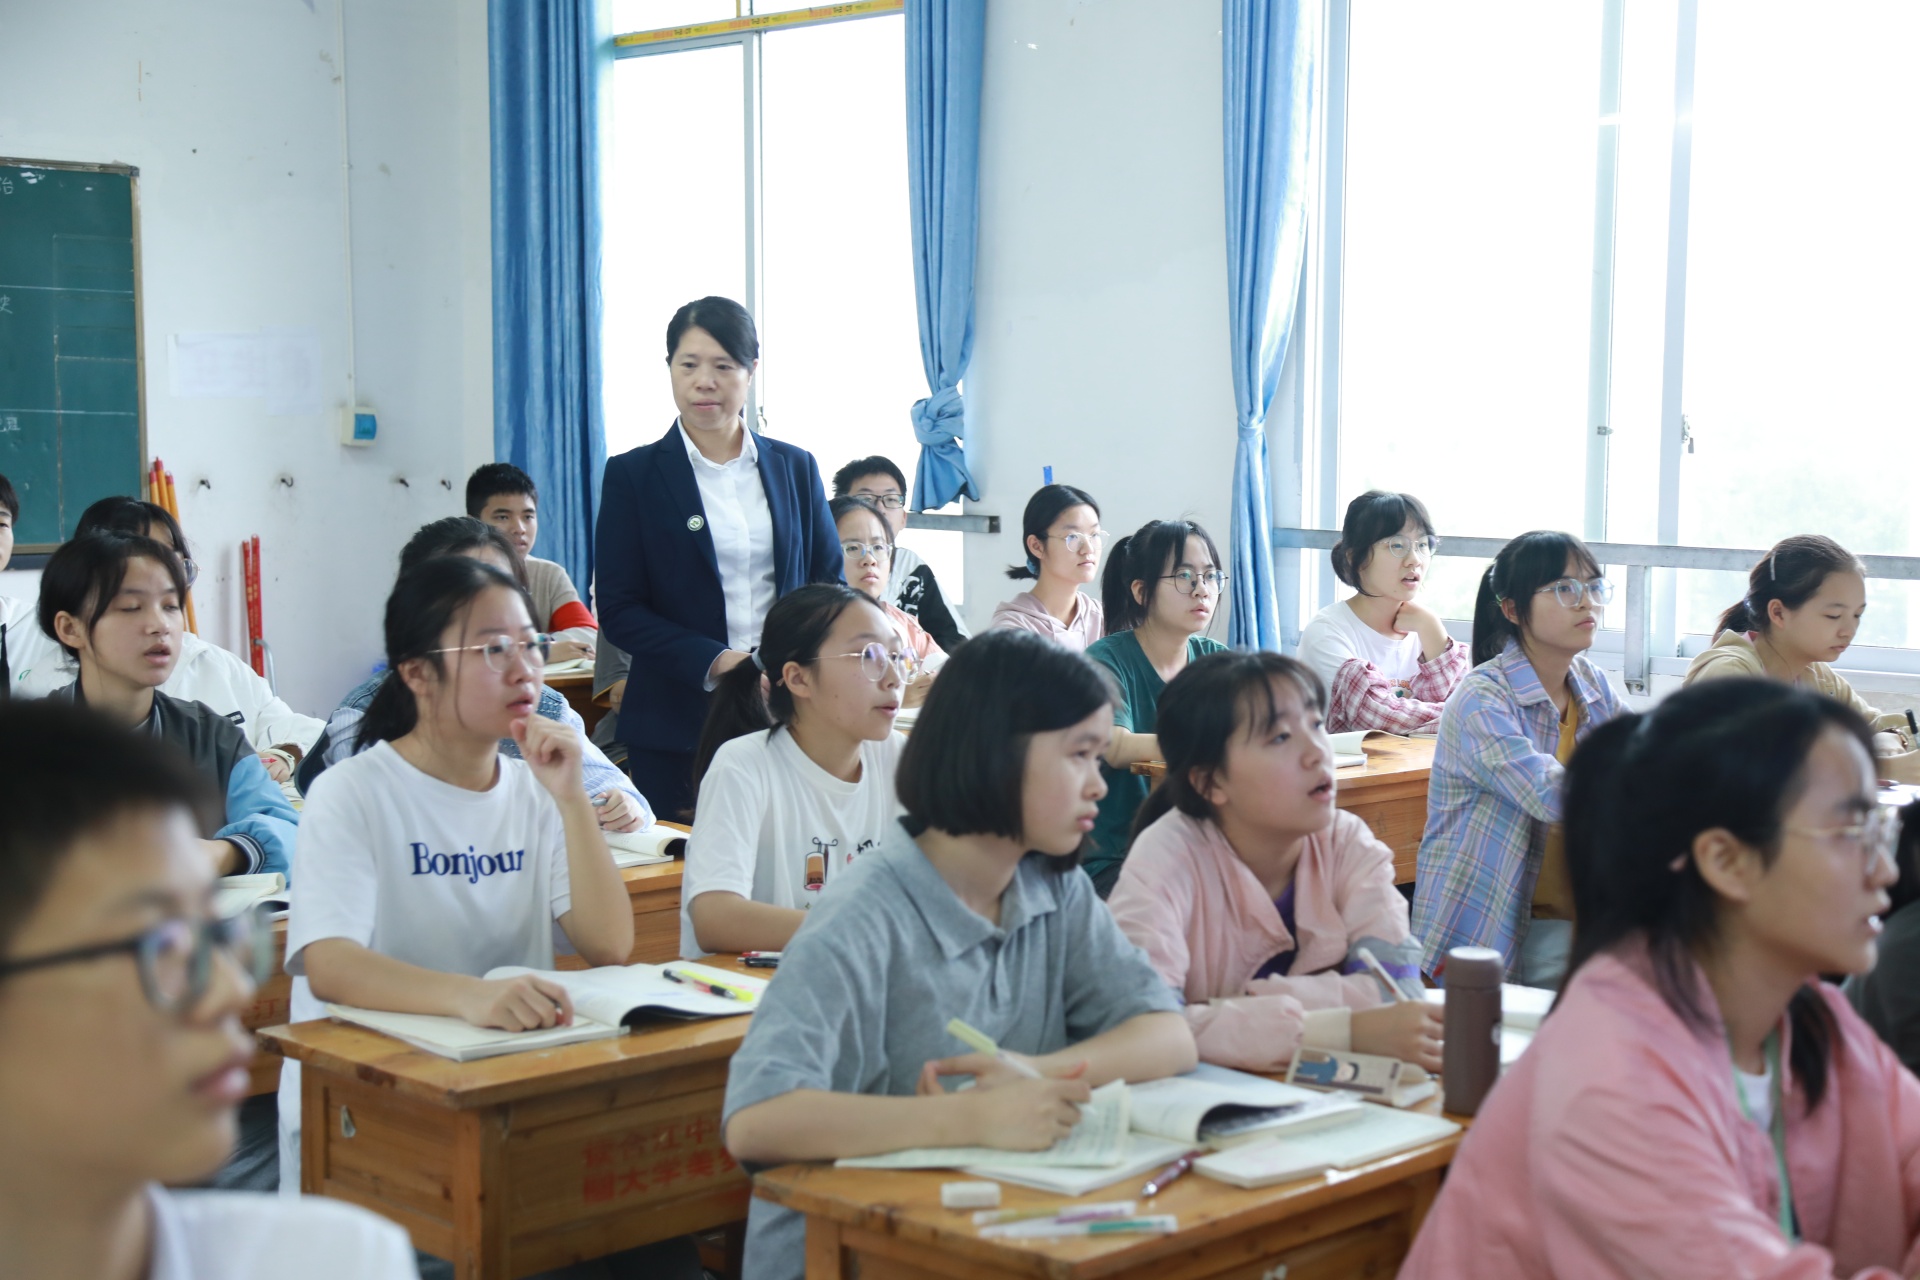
(85, 574)
(1373, 517)
(964, 768)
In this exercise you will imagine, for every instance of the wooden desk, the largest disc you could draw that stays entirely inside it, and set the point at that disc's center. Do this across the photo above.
(655, 894)
(1388, 793)
(578, 689)
(1358, 1222)
(525, 1162)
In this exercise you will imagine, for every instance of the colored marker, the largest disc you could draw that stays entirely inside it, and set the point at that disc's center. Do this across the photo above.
(702, 984)
(980, 1042)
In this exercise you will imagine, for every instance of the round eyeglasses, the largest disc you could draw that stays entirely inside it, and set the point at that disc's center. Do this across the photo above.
(875, 659)
(1187, 582)
(503, 654)
(175, 957)
(1400, 548)
(880, 551)
(1079, 542)
(1571, 592)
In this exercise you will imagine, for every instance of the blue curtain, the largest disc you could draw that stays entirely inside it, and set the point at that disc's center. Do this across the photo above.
(946, 47)
(546, 62)
(1269, 48)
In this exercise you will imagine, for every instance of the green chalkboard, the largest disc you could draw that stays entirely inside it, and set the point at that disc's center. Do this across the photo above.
(70, 420)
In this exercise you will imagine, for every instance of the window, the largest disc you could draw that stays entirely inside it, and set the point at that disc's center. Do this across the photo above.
(1639, 269)
(770, 166)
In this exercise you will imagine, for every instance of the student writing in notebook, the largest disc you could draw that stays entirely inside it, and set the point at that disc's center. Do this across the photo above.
(1493, 870)
(1802, 610)
(122, 1058)
(504, 496)
(972, 907)
(1386, 659)
(795, 770)
(113, 603)
(1061, 536)
(1161, 589)
(1699, 1103)
(1251, 894)
(617, 802)
(432, 857)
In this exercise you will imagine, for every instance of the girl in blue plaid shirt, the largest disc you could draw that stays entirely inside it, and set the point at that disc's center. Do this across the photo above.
(1492, 869)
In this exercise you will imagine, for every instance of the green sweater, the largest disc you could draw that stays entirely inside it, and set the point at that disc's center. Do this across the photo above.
(1138, 710)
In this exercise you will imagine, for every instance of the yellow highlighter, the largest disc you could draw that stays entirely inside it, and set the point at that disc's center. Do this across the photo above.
(980, 1042)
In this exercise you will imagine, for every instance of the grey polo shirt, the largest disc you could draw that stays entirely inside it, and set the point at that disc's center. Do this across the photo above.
(864, 991)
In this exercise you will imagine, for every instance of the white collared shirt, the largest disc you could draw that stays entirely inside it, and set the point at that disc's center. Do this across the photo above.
(741, 525)
(240, 1235)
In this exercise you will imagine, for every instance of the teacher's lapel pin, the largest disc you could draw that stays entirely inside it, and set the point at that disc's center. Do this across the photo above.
(695, 524)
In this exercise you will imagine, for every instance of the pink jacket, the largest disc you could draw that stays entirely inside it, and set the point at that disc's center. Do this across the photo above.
(1025, 613)
(1616, 1147)
(1207, 924)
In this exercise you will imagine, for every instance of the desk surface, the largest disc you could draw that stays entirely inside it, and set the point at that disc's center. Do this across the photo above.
(1389, 760)
(905, 1206)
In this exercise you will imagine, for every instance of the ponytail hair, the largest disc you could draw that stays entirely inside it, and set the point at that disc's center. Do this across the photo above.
(1145, 556)
(1373, 517)
(1792, 574)
(428, 599)
(1521, 568)
(1043, 508)
(796, 627)
(1727, 754)
(1203, 708)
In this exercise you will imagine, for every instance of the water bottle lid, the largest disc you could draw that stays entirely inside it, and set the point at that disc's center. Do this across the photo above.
(1475, 967)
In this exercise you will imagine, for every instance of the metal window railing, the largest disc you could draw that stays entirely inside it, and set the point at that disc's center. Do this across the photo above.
(1639, 559)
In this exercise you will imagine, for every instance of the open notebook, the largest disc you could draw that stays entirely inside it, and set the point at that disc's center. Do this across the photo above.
(1377, 1132)
(236, 893)
(606, 1002)
(656, 843)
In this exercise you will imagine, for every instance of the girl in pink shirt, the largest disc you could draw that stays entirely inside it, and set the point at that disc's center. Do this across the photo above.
(1250, 892)
(1699, 1103)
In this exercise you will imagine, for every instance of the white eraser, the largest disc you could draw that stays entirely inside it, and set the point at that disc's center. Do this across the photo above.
(970, 1195)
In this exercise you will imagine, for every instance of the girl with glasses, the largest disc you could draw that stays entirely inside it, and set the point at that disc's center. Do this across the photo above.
(431, 857)
(912, 585)
(972, 907)
(1061, 534)
(1699, 1102)
(122, 1058)
(1493, 869)
(794, 770)
(113, 603)
(1801, 612)
(866, 543)
(1387, 660)
(1162, 588)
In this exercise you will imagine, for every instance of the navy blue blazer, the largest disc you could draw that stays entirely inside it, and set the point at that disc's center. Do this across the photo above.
(658, 581)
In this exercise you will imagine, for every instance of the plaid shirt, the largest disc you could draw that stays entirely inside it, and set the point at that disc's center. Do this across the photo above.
(1494, 791)
(1363, 697)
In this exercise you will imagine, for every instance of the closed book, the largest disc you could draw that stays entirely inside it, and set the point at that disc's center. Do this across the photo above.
(1376, 1133)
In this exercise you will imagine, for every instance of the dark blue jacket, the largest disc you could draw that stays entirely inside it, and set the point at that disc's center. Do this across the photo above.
(658, 582)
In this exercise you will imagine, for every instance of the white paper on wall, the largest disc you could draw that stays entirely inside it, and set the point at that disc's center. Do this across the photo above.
(280, 366)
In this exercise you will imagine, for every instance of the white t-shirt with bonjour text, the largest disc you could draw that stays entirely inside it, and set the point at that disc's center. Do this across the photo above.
(1336, 636)
(423, 871)
(765, 808)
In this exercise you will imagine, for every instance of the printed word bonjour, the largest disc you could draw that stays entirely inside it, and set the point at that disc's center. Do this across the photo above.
(469, 864)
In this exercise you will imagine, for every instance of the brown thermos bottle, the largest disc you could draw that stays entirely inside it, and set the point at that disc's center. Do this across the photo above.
(1470, 1059)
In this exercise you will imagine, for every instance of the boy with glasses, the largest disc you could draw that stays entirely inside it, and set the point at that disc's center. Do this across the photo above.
(911, 586)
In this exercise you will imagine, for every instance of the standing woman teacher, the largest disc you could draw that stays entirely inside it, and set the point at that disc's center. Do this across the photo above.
(699, 533)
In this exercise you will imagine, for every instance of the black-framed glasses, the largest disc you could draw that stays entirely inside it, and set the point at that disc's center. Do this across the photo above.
(1570, 592)
(880, 551)
(876, 658)
(1187, 582)
(175, 957)
(885, 501)
(502, 653)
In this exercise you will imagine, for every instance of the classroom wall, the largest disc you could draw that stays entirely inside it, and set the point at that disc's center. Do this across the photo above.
(1101, 324)
(240, 114)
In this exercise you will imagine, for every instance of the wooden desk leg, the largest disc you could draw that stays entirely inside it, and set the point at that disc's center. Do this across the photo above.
(823, 1249)
(1424, 1188)
(735, 1235)
(480, 1183)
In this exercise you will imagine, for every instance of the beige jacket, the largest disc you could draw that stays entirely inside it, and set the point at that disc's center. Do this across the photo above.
(1735, 655)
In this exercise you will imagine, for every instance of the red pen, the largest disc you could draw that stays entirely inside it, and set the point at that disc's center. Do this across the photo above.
(1168, 1176)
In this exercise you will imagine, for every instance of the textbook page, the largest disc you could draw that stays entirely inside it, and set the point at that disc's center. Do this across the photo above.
(1178, 1106)
(645, 847)
(1098, 1141)
(236, 893)
(461, 1041)
(616, 994)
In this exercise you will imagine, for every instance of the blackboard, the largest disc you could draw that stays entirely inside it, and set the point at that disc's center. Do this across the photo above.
(71, 427)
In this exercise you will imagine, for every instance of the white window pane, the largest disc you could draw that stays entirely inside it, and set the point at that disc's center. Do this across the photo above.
(839, 320)
(1802, 270)
(653, 15)
(1468, 264)
(675, 220)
